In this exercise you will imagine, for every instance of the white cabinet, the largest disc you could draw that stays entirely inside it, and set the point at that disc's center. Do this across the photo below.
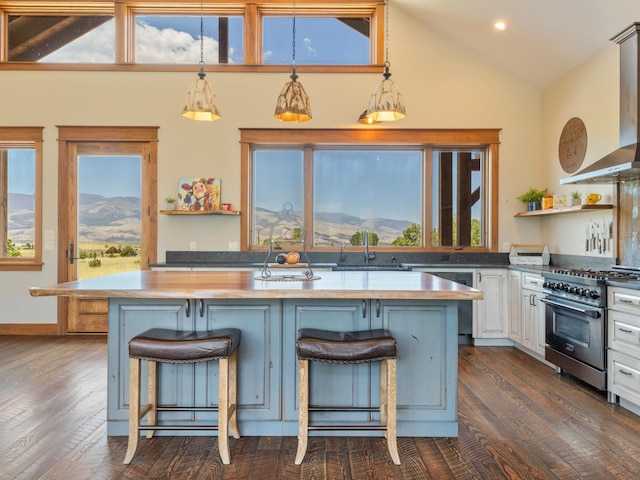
(623, 377)
(533, 312)
(526, 311)
(514, 287)
(491, 312)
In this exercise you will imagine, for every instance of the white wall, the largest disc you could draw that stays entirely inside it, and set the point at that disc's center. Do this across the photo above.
(444, 85)
(590, 92)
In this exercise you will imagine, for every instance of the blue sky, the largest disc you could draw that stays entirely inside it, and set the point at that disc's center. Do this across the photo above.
(109, 176)
(164, 39)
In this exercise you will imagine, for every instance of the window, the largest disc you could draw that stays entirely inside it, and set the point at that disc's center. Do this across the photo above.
(341, 36)
(20, 198)
(409, 189)
(319, 41)
(176, 39)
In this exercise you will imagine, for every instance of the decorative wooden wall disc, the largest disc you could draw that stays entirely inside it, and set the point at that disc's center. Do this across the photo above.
(573, 145)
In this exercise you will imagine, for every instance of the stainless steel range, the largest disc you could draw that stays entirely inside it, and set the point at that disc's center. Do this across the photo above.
(576, 321)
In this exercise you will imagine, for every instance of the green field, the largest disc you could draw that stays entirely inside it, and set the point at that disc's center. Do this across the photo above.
(109, 263)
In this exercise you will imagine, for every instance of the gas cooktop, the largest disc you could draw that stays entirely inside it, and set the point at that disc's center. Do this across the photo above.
(616, 273)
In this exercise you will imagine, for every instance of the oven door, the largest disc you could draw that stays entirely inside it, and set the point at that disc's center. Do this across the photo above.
(576, 330)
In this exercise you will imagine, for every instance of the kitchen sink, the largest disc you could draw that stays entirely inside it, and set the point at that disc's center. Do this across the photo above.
(372, 267)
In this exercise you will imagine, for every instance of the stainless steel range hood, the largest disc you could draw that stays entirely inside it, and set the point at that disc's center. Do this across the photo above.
(622, 164)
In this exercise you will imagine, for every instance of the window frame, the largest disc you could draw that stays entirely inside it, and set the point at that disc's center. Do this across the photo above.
(23, 137)
(125, 11)
(427, 139)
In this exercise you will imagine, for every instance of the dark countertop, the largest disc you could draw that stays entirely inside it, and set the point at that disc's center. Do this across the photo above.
(413, 260)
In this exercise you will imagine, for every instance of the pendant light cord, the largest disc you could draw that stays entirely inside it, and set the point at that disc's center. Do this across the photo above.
(201, 74)
(294, 77)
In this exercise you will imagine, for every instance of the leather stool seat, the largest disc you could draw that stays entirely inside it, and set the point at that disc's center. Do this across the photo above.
(346, 347)
(160, 345)
(174, 346)
(362, 346)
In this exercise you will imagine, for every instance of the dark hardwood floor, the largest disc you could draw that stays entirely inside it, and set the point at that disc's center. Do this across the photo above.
(518, 419)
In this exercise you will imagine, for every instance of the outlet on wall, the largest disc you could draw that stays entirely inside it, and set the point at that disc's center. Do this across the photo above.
(192, 245)
(506, 246)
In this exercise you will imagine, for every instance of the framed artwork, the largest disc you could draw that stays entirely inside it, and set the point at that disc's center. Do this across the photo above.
(197, 194)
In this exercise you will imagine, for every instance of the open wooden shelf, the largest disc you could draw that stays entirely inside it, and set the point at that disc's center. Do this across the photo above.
(560, 211)
(200, 212)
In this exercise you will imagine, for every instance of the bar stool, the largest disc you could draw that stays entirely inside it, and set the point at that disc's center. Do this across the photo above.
(173, 346)
(348, 348)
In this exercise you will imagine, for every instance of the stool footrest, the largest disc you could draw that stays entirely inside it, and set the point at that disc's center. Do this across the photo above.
(177, 427)
(187, 409)
(344, 409)
(346, 427)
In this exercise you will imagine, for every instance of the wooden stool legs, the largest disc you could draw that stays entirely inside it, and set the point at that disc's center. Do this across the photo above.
(227, 404)
(303, 411)
(387, 408)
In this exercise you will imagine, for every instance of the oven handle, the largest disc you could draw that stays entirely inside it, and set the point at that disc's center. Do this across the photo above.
(589, 313)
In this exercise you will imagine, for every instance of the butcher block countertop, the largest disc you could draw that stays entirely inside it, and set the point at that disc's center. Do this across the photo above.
(248, 284)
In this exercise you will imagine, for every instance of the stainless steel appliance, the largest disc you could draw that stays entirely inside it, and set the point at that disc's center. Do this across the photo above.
(576, 321)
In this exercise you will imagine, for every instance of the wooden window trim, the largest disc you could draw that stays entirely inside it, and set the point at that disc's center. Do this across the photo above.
(124, 13)
(428, 139)
(28, 136)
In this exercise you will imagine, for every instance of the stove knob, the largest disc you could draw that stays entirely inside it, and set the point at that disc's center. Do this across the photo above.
(583, 292)
(573, 290)
(565, 287)
(594, 294)
(546, 284)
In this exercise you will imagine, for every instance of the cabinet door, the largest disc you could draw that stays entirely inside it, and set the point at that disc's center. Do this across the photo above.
(330, 384)
(529, 319)
(540, 324)
(427, 352)
(491, 312)
(130, 317)
(258, 355)
(515, 302)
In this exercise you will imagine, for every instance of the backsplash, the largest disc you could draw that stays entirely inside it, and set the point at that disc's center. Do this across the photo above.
(629, 223)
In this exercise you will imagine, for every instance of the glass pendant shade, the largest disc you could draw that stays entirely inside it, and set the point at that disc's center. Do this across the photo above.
(386, 104)
(201, 101)
(363, 118)
(293, 104)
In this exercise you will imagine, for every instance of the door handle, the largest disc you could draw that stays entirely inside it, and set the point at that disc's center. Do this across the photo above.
(71, 254)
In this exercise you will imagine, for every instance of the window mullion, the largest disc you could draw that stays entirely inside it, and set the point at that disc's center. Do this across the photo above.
(308, 197)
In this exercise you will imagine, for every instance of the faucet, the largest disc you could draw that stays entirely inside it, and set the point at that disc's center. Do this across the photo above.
(365, 241)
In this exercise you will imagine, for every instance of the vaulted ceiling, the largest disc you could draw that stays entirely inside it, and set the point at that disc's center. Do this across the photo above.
(544, 39)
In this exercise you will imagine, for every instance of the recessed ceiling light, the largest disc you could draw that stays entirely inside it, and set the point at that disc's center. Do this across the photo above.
(500, 25)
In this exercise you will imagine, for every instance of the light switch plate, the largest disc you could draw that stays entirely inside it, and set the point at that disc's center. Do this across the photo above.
(192, 245)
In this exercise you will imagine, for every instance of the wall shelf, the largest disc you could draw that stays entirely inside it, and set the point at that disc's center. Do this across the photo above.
(560, 211)
(201, 212)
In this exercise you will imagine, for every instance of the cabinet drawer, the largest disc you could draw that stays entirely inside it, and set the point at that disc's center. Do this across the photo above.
(624, 300)
(624, 376)
(624, 333)
(532, 281)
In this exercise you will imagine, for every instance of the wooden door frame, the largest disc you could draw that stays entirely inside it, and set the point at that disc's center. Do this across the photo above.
(68, 138)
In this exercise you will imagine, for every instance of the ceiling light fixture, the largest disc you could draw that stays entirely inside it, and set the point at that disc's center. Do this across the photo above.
(293, 103)
(386, 104)
(201, 101)
(363, 118)
(500, 25)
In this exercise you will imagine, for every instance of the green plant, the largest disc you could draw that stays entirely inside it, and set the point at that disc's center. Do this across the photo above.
(532, 195)
(577, 195)
(170, 200)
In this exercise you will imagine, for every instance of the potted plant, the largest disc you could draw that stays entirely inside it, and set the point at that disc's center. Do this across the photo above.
(532, 198)
(576, 198)
(169, 203)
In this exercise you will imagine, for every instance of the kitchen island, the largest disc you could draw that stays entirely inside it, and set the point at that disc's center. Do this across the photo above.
(418, 308)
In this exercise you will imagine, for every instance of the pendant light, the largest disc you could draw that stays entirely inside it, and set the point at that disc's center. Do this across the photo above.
(293, 104)
(201, 101)
(386, 104)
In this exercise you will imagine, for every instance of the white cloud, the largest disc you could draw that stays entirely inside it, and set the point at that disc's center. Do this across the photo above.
(153, 45)
(312, 52)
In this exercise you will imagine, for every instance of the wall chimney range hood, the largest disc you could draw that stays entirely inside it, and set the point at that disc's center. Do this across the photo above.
(622, 164)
